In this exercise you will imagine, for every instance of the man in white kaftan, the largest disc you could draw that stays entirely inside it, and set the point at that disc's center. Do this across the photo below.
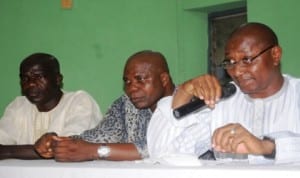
(259, 123)
(22, 123)
(277, 116)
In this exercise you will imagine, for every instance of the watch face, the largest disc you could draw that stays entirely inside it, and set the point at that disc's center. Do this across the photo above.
(103, 151)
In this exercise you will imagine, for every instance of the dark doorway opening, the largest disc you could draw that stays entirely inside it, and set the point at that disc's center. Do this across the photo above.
(221, 25)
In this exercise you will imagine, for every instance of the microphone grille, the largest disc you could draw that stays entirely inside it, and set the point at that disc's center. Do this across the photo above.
(228, 89)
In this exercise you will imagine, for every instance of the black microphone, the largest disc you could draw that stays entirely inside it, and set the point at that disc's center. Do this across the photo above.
(197, 104)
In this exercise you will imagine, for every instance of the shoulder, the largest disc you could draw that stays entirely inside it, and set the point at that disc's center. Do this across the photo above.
(20, 105)
(121, 100)
(78, 95)
(292, 88)
(293, 83)
(290, 77)
(163, 108)
(19, 101)
(118, 103)
(165, 102)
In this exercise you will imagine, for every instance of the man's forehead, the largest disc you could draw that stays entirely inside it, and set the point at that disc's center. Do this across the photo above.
(139, 66)
(36, 68)
(240, 43)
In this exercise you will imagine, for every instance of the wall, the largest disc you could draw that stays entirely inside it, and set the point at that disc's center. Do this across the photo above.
(92, 40)
(281, 15)
(95, 37)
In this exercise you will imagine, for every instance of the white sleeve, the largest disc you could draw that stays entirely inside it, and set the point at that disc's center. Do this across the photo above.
(10, 122)
(287, 149)
(159, 129)
(80, 114)
(168, 136)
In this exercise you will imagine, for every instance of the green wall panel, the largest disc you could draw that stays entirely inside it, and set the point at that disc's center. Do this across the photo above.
(94, 38)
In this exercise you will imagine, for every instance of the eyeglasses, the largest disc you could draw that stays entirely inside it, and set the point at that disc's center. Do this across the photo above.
(246, 61)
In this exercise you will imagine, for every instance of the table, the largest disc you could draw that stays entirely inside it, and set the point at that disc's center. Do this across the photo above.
(13, 168)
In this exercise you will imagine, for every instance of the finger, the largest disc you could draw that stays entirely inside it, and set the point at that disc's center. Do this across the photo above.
(242, 140)
(226, 141)
(195, 86)
(216, 88)
(64, 144)
(60, 151)
(61, 143)
(58, 158)
(63, 155)
(219, 133)
(209, 89)
(217, 136)
(45, 153)
(48, 143)
(239, 146)
(57, 138)
(48, 155)
(214, 138)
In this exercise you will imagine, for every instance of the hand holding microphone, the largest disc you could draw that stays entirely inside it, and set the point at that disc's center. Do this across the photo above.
(227, 90)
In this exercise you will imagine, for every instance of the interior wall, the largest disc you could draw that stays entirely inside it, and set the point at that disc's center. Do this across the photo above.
(92, 41)
(281, 16)
(95, 37)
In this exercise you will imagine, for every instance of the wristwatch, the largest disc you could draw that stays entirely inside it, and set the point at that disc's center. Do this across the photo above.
(103, 151)
(273, 154)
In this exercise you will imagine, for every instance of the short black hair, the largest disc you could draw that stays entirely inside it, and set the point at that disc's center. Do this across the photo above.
(48, 61)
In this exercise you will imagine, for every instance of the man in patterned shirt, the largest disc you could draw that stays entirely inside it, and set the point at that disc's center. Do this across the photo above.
(122, 133)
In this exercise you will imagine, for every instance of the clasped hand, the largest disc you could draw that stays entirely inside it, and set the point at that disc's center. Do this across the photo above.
(64, 148)
(234, 138)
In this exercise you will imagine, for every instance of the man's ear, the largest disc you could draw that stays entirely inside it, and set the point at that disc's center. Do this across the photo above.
(276, 54)
(59, 80)
(165, 78)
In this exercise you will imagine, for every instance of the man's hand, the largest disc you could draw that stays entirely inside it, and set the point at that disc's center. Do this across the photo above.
(205, 87)
(67, 149)
(234, 138)
(44, 145)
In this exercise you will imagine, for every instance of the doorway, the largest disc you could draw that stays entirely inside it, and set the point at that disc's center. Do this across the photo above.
(221, 25)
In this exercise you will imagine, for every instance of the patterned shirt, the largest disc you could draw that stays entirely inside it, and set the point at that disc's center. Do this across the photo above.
(123, 123)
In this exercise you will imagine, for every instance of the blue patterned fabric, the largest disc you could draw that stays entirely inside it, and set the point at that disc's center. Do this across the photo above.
(123, 123)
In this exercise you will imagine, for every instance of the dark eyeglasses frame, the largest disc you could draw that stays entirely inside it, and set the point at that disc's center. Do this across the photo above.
(229, 63)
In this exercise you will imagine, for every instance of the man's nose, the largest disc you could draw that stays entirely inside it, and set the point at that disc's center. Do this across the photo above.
(132, 87)
(236, 70)
(30, 83)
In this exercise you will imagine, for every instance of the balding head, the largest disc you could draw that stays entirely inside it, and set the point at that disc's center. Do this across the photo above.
(156, 59)
(254, 56)
(146, 79)
(259, 32)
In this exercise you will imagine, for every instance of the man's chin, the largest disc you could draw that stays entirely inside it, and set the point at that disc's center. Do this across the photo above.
(248, 91)
(34, 100)
(140, 105)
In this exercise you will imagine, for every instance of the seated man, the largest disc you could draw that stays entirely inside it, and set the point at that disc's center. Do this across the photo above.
(122, 134)
(259, 123)
(44, 109)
